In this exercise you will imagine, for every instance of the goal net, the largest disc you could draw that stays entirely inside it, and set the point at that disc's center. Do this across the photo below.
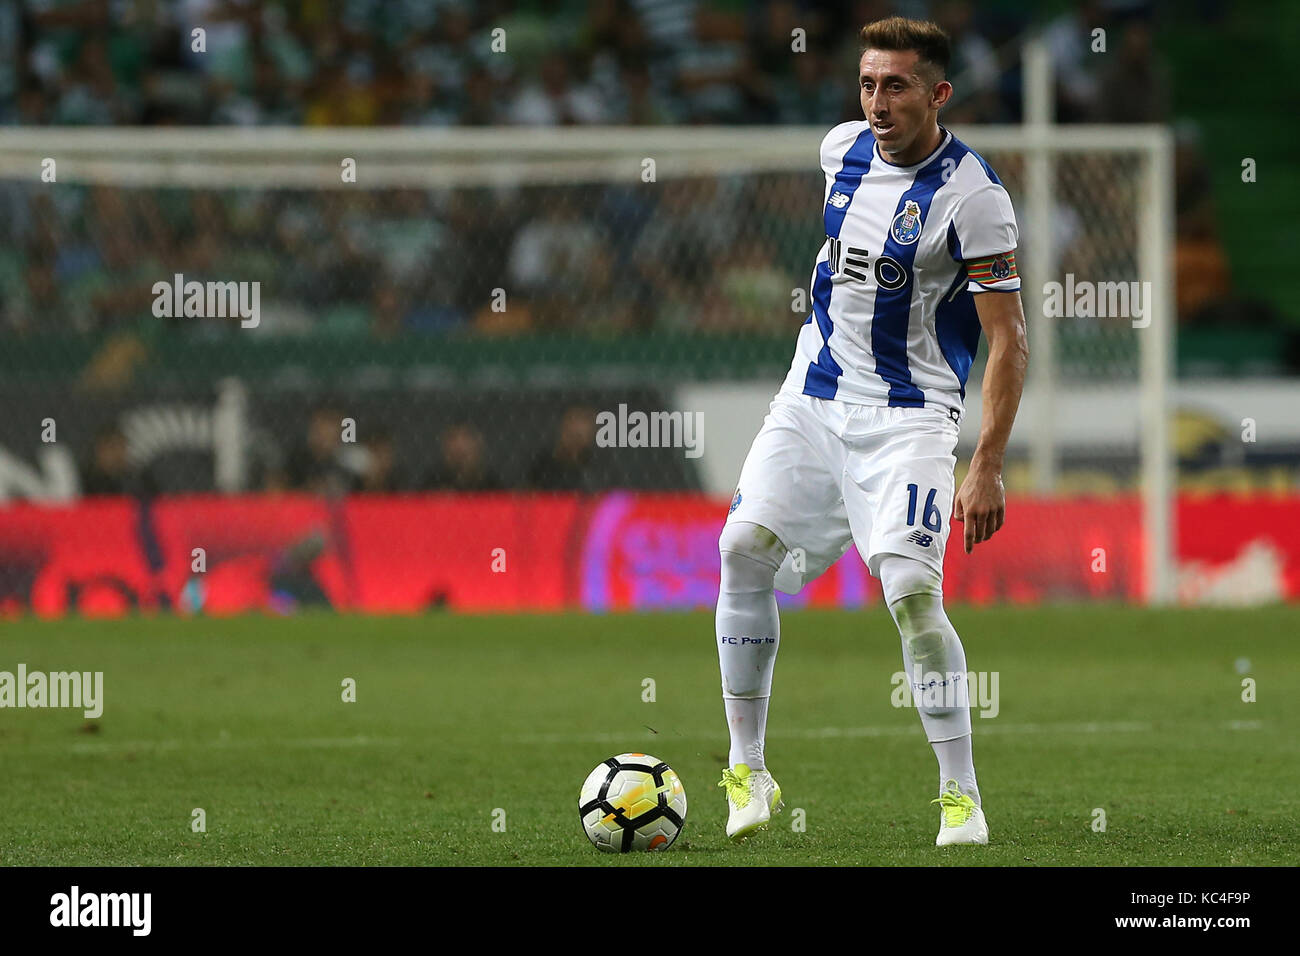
(194, 301)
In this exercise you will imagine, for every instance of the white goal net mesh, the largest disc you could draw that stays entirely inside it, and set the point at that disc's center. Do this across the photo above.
(491, 275)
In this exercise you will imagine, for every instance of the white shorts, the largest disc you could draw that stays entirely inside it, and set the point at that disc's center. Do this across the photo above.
(823, 474)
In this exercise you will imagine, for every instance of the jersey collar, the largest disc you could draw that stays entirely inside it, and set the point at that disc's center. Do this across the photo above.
(943, 142)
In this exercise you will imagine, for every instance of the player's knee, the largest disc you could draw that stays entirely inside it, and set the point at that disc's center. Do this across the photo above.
(902, 577)
(924, 627)
(914, 594)
(751, 541)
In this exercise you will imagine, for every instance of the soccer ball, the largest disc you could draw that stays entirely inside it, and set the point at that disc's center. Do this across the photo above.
(632, 802)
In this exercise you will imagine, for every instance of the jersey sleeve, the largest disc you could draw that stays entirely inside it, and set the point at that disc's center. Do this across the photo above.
(834, 144)
(987, 234)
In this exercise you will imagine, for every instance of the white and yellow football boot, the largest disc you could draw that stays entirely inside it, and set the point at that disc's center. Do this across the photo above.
(960, 820)
(753, 797)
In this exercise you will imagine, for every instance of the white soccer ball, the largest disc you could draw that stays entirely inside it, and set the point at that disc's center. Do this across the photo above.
(632, 802)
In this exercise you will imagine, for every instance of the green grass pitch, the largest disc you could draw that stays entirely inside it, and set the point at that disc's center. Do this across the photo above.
(1136, 712)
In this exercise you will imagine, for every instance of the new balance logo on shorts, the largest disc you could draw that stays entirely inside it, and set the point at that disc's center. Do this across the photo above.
(921, 538)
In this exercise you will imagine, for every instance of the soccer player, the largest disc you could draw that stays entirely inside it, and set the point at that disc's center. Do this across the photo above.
(857, 447)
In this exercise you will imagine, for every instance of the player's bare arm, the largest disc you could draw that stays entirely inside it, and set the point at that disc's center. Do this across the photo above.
(981, 501)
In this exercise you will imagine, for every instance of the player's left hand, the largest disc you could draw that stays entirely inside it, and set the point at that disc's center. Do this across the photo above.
(981, 504)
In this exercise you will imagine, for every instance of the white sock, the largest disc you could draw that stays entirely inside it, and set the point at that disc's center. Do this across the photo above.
(748, 631)
(936, 661)
(957, 763)
(747, 721)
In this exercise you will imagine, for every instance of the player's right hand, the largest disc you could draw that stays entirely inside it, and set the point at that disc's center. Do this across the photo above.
(981, 504)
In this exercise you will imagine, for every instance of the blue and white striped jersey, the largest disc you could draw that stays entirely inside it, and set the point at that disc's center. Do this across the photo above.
(893, 293)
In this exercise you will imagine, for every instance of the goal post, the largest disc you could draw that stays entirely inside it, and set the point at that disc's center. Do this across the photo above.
(1155, 260)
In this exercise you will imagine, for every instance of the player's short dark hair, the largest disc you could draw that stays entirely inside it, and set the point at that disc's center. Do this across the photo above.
(926, 39)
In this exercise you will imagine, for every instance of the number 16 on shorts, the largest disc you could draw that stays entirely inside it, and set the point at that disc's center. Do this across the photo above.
(930, 518)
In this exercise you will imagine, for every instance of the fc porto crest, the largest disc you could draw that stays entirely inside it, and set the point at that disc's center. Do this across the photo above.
(735, 502)
(1001, 268)
(906, 228)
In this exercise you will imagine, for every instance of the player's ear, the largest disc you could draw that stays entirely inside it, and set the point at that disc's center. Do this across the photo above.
(941, 94)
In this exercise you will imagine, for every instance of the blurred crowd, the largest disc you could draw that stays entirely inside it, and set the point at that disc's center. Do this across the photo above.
(689, 255)
(692, 255)
(532, 62)
(320, 462)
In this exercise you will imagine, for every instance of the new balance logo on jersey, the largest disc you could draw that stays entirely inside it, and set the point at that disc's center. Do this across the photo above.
(921, 538)
(838, 200)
